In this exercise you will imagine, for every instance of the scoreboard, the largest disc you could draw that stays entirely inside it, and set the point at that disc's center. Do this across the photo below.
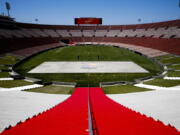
(80, 21)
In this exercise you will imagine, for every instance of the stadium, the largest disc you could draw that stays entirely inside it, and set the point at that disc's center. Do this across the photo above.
(89, 78)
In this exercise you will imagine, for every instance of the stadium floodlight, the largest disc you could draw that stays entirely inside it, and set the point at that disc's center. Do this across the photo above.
(8, 7)
(139, 20)
(36, 20)
(1, 8)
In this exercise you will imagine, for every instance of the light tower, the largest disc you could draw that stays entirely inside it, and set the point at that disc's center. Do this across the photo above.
(8, 7)
(179, 5)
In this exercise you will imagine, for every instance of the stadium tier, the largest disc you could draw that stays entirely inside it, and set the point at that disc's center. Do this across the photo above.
(163, 36)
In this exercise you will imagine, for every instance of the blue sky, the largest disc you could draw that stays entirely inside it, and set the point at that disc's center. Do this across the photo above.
(112, 11)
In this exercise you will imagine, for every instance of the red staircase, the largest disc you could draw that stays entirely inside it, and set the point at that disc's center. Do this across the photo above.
(107, 118)
(112, 118)
(67, 118)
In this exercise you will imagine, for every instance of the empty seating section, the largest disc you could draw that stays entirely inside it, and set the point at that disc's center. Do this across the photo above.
(171, 31)
(100, 33)
(122, 34)
(31, 32)
(39, 32)
(113, 33)
(163, 36)
(51, 33)
(146, 51)
(27, 33)
(15, 44)
(63, 33)
(129, 33)
(5, 33)
(156, 30)
(31, 50)
(23, 33)
(170, 45)
(177, 32)
(88, 33)
(150, 32)
(161, 32)
(75, 33)
(140, 32)
(15, 33)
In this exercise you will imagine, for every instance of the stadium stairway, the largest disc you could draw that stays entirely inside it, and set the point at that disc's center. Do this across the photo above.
(68, 118)
(108, 118)
(112, 118)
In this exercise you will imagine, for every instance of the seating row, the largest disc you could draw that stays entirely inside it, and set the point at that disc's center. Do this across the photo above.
(162, 32)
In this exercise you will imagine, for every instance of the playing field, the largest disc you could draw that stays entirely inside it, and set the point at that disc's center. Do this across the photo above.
(88, 65)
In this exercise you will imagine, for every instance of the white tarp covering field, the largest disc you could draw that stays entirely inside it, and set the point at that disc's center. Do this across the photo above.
(159, 104)
(89, 67)
(17, 106)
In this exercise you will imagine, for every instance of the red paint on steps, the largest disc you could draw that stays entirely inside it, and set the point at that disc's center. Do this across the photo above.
(112, 118)
(109, 118)
(67, 118)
